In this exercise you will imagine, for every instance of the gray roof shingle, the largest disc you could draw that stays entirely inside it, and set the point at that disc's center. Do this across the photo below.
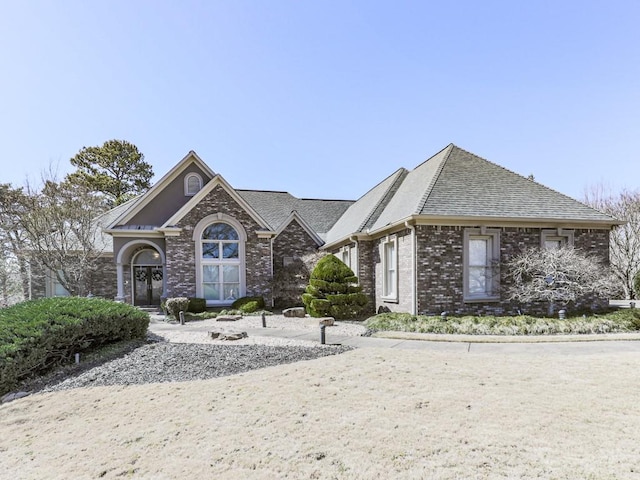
(457, 183)
(275, 208)
(362, 214)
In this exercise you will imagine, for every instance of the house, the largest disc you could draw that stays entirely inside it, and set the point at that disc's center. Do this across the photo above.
(428, 240)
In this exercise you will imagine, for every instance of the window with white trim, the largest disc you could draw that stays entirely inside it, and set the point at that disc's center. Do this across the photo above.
(345, 257)
(481, 257)
(555, 239)
(390, 269)
(220, 262)
(55, 287)
(192, 184)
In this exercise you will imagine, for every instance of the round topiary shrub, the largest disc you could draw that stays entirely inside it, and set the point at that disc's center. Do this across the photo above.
(333, 291)
(176, 305)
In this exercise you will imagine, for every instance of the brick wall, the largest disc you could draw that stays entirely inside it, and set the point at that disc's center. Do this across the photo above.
(180, 253)
(440, 269)
(294, 241)
(103, 282)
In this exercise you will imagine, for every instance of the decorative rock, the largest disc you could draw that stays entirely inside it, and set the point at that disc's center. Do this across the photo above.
(232, 336)
(297, 312)
(326, 321)
(9, 397)
(228, 318)
(227, 335)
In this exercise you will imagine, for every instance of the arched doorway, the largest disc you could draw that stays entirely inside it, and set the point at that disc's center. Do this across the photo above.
(147, 273)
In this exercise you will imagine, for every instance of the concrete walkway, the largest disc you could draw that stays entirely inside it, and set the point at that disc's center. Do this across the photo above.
(556, 344)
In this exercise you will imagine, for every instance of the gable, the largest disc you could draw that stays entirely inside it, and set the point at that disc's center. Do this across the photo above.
(155, 203)
(169, 200)
(215, 195)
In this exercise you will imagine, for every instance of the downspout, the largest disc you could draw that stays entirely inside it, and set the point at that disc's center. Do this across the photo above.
(273, 301)
(414, 269)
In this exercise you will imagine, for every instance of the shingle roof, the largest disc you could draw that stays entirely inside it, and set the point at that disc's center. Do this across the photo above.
(457, 183)
(363, 213)
(468, 185)
(275, 208)
(103, 241)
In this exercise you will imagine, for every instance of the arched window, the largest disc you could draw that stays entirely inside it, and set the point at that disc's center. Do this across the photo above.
(220, 262)
(192, 184)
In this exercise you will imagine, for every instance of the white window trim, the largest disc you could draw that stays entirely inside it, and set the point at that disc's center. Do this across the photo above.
(197, 238)
(559, 234)
(187, 193)
(469, 234)
(344, 252)
(393, 295)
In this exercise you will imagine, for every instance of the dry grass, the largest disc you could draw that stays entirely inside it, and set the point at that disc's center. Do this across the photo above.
(365, 414)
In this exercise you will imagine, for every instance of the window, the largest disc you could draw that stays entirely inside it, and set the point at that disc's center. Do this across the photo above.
(481, 256)
(344, 256)
(220, 263)
(192, 184)
(390, 270)
(55, 287)
(554, 239)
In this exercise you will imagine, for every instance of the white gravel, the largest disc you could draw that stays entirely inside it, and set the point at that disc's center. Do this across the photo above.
(197, 331)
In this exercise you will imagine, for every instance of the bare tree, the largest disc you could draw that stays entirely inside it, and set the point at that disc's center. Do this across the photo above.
(625, 239)
(563, 275)
(10, 288)
(62, 232)
(12, 237)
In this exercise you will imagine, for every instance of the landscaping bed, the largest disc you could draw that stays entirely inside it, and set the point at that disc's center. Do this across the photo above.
(619, 321)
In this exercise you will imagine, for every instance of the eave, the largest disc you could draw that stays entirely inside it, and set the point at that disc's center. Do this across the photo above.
(469, 221)
(130, 232)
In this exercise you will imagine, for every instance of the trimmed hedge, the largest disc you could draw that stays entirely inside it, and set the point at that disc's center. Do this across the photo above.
(173, 306)
(197, 305)
(38, 334)
(248, 304)
(333, 291)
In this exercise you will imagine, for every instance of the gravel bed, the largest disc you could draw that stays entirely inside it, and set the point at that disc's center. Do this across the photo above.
(180, 362)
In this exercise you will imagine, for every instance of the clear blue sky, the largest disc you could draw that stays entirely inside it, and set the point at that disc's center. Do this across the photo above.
(325, 98)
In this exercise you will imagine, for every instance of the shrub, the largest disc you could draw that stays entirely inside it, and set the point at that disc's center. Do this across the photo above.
(197, 305)
(620, 321)
(562, 276)
(248, 304)
(39, 334)
(176, 305)
(332, 291)
(636, 285)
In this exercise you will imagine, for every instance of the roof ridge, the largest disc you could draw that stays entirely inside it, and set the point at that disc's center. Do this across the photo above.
(429, 189)
(388, 194)
(262, 191)
(533, 181)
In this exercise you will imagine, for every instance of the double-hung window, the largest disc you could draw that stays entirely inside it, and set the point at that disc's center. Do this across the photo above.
(481, 257)
(390, 269)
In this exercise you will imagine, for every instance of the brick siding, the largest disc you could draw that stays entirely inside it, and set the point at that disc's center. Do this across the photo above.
(180, 253)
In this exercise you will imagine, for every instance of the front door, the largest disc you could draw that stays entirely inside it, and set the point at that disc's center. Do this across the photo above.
(147, 278)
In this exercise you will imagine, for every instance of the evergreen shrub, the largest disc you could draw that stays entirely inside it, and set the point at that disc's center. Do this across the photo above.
(38, 334)
(248, 304)
(197, 305)
(332, 291)
(176, 305)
